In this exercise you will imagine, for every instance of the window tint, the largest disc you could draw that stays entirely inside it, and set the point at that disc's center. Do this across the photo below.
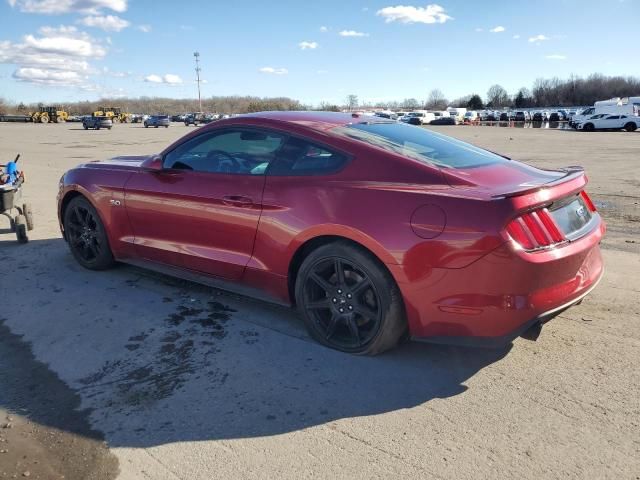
(613, 117)
(247, 152)
(299, 157)
(419, 144)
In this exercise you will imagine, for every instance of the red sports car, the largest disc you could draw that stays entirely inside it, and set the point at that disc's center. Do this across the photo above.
(373, 229)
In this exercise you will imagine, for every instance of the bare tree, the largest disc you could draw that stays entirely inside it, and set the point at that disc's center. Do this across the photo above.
(436, 100)
(352, 101)
(497, 97)
(409, 104)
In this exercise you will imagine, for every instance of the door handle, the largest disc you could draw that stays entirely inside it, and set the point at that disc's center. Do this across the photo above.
(237, 201)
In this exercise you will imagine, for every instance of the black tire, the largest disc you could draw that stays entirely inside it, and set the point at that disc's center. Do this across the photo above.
(146, 126)
(630, 127)
(21, 229)
(359, 311)
(86, 236)
(156, 126)
(588, 127)
(97, 128)
(28, 214)
(86, 127)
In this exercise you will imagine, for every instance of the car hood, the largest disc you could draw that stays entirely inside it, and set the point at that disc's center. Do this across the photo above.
(131, 162)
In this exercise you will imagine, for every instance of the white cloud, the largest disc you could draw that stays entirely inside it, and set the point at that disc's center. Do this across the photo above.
(324, 29)
(153, 78)
(408, 14)
(308, 45)
(48, 77)
(168, 79)
(52, 7)
(516, 37)
(172, 79)
(274, 71)
(538, 38)
(556, 57)
(352, 33)
(55, 56)
(497, 29)
(144, 28)
(108, 23)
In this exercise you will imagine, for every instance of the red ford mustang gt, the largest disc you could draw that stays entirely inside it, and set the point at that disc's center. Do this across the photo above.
(374, 229)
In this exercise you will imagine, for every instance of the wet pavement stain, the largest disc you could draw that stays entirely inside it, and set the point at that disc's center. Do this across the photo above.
(186, 347)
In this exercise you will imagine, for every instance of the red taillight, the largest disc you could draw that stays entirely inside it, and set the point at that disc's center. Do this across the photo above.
(534, 230)
(587, 201)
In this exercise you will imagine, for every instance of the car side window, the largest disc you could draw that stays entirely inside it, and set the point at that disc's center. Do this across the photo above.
(299, 157)
(230, 151)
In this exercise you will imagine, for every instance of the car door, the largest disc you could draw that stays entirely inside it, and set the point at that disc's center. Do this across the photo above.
(201, 211)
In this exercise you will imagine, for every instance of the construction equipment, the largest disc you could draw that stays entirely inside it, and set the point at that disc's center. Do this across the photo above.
(55, 114)
(114, 113)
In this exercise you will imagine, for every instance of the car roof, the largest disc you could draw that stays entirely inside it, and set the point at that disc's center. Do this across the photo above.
(314, 120)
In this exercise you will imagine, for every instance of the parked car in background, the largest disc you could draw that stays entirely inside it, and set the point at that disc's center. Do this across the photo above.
(400, 115)
(157, 121)
(194, 118)
(457, 112)
(385, 114)
(444, 121)
(504, 116)
(522, 116)
(419, 117)
(610, 122)
(470, 116)
(97, 122)
(234, 204)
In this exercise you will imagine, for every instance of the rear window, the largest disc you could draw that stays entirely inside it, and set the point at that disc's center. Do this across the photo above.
(419, 144)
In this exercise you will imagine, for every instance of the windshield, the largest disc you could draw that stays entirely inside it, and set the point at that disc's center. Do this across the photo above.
(419, 144)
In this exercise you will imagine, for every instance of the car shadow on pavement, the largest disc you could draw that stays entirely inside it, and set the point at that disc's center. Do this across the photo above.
(155, 360)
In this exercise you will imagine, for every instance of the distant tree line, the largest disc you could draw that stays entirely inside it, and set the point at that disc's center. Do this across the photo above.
(553, 92)
(160, 105)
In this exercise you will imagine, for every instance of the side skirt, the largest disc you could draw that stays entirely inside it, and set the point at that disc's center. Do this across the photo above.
(203, 279)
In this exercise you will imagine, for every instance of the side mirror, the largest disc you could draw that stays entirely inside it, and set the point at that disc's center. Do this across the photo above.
(153, 163)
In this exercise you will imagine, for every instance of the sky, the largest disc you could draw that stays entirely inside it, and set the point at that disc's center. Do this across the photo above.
(313, 51)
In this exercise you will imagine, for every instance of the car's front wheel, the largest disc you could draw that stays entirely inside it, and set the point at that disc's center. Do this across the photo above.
(588, 127)
(349, 301)
(86, 235)
(630, 127)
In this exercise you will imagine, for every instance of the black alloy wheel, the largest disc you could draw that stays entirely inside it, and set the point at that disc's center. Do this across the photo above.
(86, 236)
(349, 302)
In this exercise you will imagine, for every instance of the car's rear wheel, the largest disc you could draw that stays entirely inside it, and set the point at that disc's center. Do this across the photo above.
(86, 235)
(349, 301)
(588, 127)
(86, 127)
(630, 127)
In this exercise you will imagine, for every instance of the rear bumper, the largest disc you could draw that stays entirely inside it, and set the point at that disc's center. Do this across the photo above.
(502, 340)
(501, 295)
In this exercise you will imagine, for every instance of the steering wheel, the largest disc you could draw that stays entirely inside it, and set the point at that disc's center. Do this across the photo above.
(225, 164)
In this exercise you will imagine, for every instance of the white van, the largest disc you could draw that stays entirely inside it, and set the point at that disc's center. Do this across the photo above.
(419, 116)
(457, 112)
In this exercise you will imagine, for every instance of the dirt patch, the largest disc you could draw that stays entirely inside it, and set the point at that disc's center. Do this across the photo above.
(43, 435)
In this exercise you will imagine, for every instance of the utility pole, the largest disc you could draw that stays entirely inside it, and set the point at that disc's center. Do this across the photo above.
(197, 55)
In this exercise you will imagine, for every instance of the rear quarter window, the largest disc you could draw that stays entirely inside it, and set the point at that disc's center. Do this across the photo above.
(419, 144)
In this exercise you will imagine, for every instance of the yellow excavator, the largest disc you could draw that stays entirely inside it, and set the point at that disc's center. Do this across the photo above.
(55, 114)
(114, 113)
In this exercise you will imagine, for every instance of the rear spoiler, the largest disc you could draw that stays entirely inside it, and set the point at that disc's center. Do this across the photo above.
(574, 179)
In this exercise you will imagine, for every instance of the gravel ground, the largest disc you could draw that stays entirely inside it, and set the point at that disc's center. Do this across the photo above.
(185, 382)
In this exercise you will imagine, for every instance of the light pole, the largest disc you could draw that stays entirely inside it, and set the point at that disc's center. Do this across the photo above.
(197, 55)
